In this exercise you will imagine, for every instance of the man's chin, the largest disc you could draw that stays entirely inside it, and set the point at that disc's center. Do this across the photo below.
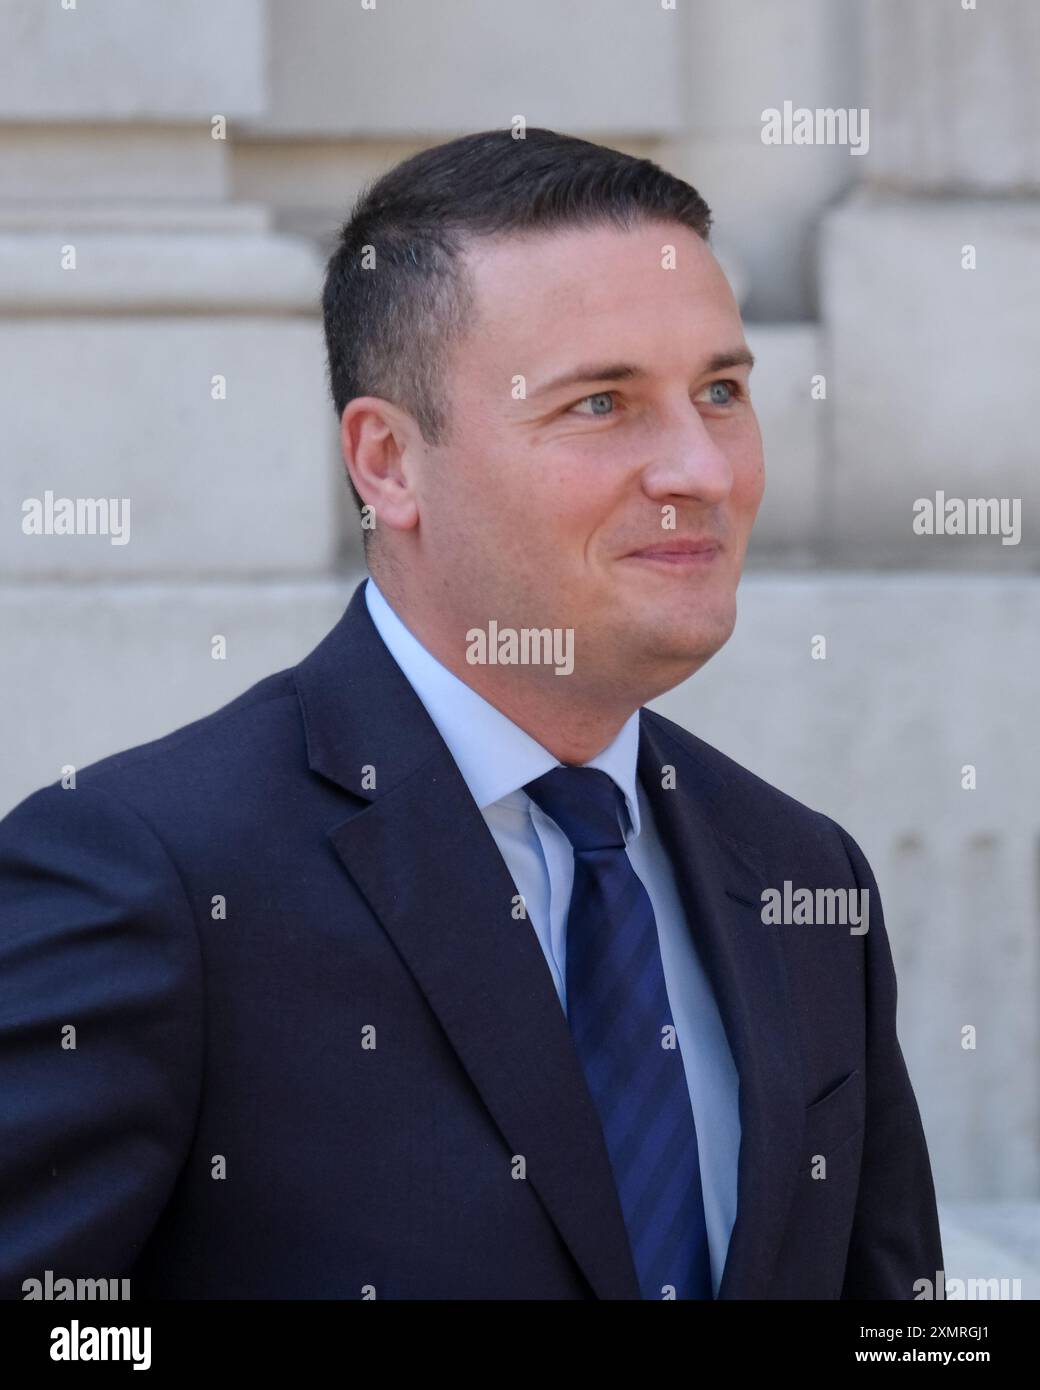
(695, 625)
(689, 643)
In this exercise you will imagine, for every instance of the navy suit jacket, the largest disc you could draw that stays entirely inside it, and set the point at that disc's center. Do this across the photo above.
(224, 1127)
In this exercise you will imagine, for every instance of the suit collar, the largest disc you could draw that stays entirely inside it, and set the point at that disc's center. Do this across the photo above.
(359, 711)
(422, 855)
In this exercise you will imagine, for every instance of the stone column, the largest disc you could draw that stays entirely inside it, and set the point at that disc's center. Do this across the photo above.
(160, 348)
(931, 293)
(931, 312)
(160, 342)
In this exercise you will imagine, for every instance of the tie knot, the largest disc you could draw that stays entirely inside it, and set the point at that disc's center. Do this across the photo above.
(584, 802)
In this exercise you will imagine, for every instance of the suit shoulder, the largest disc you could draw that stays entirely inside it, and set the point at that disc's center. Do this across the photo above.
(750, 798)
(167, 803)
(263, 718)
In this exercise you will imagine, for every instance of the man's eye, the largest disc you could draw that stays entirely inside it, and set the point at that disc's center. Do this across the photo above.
(597, 400)
(723, 392)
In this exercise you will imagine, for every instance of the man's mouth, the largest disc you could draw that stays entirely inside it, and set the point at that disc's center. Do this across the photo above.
(679, 554)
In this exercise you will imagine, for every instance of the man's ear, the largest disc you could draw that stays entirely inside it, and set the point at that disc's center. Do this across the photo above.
(380, 444)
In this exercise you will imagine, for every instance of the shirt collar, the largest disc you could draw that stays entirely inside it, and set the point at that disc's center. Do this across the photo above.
(495, 756)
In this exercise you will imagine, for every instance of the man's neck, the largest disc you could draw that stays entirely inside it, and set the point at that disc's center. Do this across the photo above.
(549, 708)
(572, 732)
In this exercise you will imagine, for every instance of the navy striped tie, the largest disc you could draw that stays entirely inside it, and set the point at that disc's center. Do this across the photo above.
(620, 1019)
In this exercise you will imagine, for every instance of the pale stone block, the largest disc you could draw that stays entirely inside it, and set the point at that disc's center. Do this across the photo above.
(932, 374)
(469, 66)
(95, 669)
(301, 174)
(111, 163)
(787, 357)
(124, 408)
(741, 56)
(121, 60)
(993, 1240)
(953, 92)
(157, 217)
(180, 271)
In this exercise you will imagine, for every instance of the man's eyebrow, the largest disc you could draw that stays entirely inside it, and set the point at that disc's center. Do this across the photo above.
(625, 371)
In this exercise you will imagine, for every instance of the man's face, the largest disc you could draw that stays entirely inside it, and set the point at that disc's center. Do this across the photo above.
(532, 510)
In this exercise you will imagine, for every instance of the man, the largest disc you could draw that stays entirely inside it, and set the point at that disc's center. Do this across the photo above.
(437, 966)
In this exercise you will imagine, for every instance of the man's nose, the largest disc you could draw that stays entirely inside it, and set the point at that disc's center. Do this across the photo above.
(684, 457)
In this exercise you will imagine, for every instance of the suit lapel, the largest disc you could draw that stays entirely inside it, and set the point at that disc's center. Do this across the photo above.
(720, 878)
(422, 855)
